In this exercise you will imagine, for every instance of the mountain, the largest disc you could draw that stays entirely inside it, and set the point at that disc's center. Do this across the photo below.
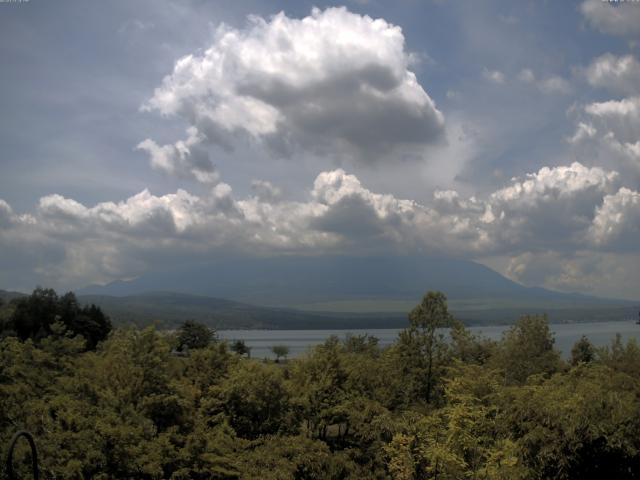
(171, 309)
(351, 284)
(6, 295)
(333, 293)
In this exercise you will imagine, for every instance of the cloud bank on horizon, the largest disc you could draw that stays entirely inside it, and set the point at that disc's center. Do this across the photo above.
(330, 108)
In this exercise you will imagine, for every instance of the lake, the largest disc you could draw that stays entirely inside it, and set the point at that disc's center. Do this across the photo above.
(299, 341)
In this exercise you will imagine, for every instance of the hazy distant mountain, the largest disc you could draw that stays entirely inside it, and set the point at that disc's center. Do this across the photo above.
(171, 309)
(7, 295)
(357, 284)
(332, 293)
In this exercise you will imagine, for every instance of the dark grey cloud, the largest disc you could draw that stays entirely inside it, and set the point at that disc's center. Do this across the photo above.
(266, 192)
(352, 217)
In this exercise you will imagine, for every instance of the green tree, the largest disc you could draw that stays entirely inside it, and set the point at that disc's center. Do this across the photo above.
(291, 457)
(526, 349)
(207, 453)
(241, 348)
(34, 316)
(581, 424)
(346, 410)
(206, 367)
(88, 321)
(193, 335)
(622, 357)
(422, 346)
(458, 440)
(255, 400)
(361, 344)
(3, 318)
(321, 388)
(583, 351)
(280, 351)
(468, 347)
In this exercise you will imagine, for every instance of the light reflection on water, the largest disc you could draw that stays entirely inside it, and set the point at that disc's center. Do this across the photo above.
(300, 341)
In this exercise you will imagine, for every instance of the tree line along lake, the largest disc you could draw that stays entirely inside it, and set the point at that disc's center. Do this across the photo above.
(300, 341)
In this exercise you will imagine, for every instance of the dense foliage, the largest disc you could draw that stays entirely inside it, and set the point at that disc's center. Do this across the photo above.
(429, 406)
(194, 335)
(43, 312)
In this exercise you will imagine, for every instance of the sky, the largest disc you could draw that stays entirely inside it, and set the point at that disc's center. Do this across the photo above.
(139, 136)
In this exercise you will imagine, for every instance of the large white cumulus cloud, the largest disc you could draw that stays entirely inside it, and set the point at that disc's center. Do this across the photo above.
(551, 208)
(333, 83)
(367, 220)
(559, 210)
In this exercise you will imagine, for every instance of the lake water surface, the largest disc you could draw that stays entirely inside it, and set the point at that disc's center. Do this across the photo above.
(300, 341)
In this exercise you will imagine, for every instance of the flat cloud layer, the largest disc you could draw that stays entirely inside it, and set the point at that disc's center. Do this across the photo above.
(333, 83)
(552, 210)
